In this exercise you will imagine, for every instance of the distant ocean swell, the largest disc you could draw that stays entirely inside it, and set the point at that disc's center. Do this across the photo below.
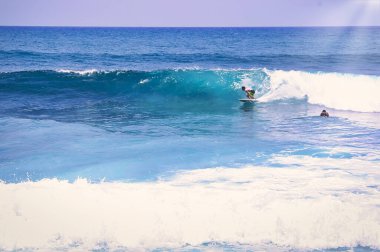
(333, 90)
(19, 57)
(284, 209)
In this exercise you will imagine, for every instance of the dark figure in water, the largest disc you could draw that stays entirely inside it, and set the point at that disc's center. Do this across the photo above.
(249, 92)
(324, 113)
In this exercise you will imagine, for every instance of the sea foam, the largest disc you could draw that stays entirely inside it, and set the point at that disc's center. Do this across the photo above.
(80, 72)
(334, 90)
(299, 207)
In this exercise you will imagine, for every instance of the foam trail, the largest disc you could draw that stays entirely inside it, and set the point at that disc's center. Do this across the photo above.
(339, 91)
(298, 208)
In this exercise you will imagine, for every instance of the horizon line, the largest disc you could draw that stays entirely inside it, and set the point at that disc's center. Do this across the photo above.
(291, 26)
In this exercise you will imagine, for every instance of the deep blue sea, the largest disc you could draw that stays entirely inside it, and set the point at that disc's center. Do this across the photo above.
(125, 139)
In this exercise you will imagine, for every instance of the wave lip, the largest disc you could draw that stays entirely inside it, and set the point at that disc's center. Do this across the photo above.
(80, 72)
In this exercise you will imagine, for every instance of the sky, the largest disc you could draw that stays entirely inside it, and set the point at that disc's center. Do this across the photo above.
(194, 13)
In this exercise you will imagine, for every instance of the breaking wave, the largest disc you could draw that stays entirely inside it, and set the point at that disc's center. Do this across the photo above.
(333, 90)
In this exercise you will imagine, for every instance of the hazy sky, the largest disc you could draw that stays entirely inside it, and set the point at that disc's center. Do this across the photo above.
(190, 12)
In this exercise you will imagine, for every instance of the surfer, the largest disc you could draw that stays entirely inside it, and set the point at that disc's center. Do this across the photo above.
(324, 113)
(249, 92)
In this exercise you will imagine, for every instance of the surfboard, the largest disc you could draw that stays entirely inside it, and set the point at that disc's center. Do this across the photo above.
(247, 100)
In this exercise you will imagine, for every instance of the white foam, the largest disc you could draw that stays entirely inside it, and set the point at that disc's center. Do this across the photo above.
(334, 90)
(81, 72)
(301, 206)
(144, 81)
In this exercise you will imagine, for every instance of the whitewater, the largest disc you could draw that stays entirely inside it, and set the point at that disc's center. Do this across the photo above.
(287, 207)
(134, 139)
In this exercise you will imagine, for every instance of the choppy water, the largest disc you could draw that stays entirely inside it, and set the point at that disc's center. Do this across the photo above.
(168, 158)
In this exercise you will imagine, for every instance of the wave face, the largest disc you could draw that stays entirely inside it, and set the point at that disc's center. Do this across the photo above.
(331, 90)
(191, 84)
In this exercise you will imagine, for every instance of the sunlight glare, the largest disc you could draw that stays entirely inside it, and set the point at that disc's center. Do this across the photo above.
(375, 3)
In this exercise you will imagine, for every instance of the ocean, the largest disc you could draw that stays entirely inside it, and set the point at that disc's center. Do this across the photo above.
(125, 139)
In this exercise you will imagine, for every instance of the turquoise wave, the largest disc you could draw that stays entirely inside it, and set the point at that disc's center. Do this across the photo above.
(222, 85)
(196, 87)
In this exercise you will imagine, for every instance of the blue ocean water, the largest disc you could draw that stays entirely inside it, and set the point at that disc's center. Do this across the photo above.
(156, 111)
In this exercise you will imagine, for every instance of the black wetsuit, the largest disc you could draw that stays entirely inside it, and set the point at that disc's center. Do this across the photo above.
(324, 113)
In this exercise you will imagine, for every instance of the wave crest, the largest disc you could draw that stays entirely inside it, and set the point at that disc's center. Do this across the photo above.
(81, 72)
(334, 90)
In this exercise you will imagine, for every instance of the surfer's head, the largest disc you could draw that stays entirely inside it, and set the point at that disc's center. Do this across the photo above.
(324, 113)
(243, 88)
